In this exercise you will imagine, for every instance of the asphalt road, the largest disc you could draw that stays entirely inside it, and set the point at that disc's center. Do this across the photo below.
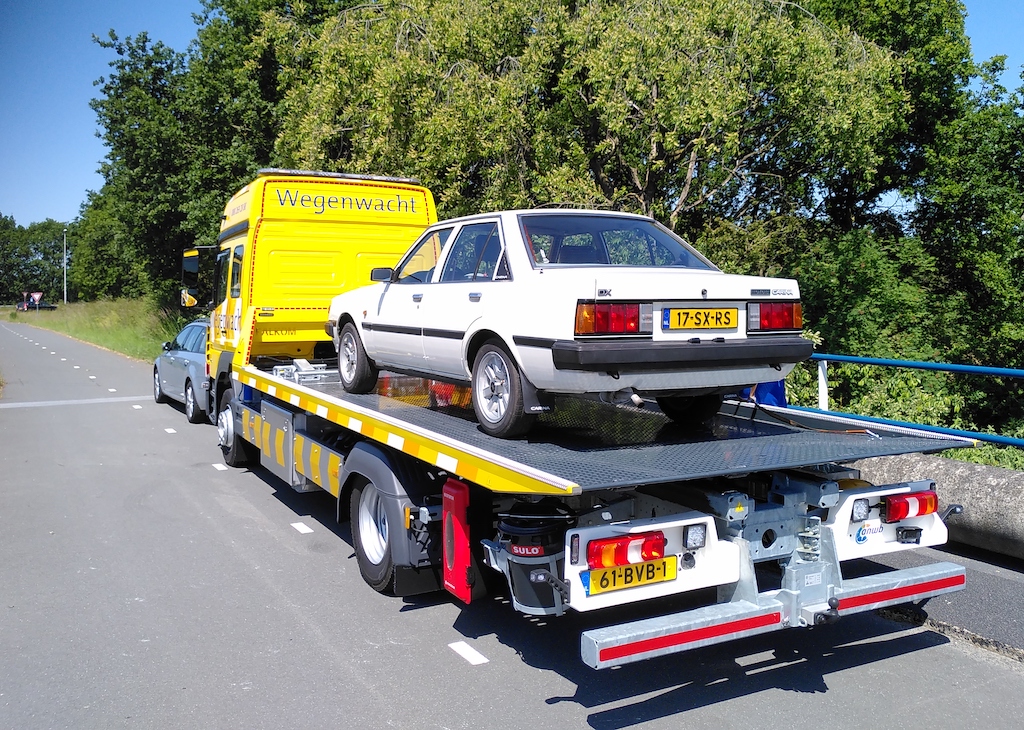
(142, 585)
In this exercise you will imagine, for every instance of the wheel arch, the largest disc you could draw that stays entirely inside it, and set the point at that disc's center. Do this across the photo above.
(478, 339)
(402, 482)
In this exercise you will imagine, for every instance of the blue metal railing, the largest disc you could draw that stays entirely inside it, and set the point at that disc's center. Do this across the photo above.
(824, 359)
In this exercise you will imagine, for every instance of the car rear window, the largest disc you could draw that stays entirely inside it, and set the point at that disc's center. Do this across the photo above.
(560, 239)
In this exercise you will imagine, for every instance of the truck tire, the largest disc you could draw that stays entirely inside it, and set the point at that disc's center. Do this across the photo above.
(192, 410)
(358, 373)
(498, 392)
(691, 410)
(237, 451)
(371, 535)
(158, 392)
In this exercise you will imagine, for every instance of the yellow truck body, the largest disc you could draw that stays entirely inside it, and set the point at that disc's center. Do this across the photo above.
(289, 242)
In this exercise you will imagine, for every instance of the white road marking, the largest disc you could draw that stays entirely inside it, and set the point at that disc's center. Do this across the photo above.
(92, 377)
(63, 359)
(170, 430)
(137, 407)
(301, 527)
(111, 390)
(468, 653)
(219, 467)
(90, 401)
(77, 367)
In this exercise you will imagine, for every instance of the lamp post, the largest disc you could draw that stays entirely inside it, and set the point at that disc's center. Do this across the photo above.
(65, 265)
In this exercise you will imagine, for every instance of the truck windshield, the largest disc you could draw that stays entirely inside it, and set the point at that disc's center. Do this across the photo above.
(563, 239)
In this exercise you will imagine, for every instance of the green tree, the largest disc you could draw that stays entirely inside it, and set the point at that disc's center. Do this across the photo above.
(689, 110)
(140, 111)
(970, 218)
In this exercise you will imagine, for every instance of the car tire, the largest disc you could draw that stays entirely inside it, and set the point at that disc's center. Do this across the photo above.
(192, 411)
(691, 410)
(498, 393)
(371, 536)
(237, 451)
(158, 393)
(357, 371)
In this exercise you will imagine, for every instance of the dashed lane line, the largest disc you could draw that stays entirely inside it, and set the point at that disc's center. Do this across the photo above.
(468, 653)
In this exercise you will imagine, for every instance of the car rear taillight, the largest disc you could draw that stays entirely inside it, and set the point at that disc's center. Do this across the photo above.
(902, 506)
(630, 549)
(618, 318)
(771, 316)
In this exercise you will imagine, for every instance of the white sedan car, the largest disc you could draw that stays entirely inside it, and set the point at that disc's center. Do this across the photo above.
(525, 305)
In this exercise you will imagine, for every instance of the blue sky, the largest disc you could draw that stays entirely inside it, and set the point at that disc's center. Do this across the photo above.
(48, 63)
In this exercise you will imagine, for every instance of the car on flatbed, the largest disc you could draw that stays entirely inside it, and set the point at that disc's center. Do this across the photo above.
(525, 305)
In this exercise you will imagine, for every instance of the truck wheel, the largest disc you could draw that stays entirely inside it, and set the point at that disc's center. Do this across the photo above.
(358, 373)
(370, 536)
(498, 393)
(691, 410)
(192, 412)
(158, 392)
(237, 451)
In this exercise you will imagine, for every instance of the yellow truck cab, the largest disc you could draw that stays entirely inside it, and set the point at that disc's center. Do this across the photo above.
(289, 242)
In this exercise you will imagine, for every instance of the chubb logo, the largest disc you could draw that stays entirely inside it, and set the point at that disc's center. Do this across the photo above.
(865, 530)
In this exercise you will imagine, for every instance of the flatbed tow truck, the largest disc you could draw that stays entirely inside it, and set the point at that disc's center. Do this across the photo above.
(602, 505)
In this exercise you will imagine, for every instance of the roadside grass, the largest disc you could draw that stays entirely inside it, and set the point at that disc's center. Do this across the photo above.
(132, 327)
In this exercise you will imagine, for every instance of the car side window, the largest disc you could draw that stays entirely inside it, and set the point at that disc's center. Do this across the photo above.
(474, 255)
(418, 265)
(187, 338)
(198, 345)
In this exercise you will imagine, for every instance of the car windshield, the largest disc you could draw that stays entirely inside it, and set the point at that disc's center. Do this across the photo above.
(560, 239)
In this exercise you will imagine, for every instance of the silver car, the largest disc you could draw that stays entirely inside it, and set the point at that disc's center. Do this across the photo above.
(180, 372)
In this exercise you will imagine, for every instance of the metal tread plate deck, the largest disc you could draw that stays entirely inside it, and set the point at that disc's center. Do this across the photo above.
(598, 446)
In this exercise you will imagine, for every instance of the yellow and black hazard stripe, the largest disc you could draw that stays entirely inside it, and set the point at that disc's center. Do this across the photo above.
(320, 464)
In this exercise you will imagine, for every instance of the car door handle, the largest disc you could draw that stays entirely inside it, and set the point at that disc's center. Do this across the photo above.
(474, 296)
(417, 297)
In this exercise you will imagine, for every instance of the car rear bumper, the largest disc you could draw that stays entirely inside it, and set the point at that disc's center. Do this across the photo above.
(646, 355)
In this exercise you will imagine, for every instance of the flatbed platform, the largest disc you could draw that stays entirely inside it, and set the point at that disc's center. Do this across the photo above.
(585, 445)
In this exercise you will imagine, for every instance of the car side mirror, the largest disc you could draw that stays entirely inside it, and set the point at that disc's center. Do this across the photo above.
(381, 273)
(166, 346)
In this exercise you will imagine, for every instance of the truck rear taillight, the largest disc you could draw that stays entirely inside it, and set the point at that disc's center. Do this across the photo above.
(902, 506)
(771, 316)
(618, 318)
(630, 549)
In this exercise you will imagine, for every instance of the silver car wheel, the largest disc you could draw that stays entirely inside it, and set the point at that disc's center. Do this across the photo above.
(491, 383)
(190, 402)
(373, 525)
(348, 357)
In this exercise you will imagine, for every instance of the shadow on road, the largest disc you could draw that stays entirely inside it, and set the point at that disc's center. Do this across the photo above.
(798, 660)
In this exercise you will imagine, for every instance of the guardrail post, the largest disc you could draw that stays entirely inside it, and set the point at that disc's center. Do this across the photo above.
(823, 385)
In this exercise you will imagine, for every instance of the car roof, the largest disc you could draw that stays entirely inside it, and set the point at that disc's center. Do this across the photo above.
(542, 211)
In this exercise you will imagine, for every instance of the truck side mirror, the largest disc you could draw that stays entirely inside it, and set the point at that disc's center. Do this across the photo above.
(381, 273)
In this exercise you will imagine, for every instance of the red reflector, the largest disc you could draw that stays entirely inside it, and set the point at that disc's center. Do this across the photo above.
(610, 552)
(780, 316)
(903, 506)
(632, 318)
